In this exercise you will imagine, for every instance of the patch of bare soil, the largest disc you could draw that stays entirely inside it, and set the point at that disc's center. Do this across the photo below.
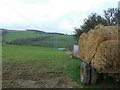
(34, 75)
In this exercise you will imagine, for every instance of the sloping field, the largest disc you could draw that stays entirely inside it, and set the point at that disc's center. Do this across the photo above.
(42, 39)
(13, 35)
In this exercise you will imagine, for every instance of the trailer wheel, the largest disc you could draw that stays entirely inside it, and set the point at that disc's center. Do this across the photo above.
(94, 76)
(85, 73)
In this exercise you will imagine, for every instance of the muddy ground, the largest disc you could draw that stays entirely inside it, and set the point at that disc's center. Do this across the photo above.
(34, 75)
(22, 74)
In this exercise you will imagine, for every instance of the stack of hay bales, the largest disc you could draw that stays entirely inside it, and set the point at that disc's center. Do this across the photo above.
(100, 47)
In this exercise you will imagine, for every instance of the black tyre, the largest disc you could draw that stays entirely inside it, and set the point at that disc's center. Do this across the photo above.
(94, 76)
(85, 73)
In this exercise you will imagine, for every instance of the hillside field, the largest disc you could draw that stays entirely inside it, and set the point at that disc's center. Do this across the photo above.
(38, 39)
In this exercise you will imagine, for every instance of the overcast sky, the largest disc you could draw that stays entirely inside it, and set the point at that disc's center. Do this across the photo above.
(49, 15)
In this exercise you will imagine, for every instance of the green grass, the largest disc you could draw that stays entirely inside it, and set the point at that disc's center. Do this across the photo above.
(55, 40)
(13, 35)
(73, 71)
(58, 59)
(30, 53)
(60, 41)
(34, 54)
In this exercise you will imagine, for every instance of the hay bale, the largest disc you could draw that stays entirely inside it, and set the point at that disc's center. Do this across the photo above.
(92, 41)
(107, 57)
(81, 46)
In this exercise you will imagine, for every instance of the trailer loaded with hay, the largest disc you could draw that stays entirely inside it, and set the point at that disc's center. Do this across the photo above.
(100, 53)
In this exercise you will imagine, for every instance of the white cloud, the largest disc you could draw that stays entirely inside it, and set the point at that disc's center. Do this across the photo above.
(65, 25)
(66, 14)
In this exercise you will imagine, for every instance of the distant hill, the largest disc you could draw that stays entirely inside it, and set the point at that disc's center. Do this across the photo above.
(41, 32)
(38, 38)
(36, 31)
(55, 33)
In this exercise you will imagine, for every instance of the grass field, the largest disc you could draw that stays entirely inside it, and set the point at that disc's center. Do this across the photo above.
(43, 67)
(12, 35)
(46, 64)
(46, 40)
(34, 54)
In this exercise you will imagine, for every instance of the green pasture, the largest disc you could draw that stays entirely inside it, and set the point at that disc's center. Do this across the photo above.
(13, 35)
(49, 40)
(57, 60)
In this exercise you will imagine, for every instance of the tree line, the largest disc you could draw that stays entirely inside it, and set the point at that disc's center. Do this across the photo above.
(110, 17)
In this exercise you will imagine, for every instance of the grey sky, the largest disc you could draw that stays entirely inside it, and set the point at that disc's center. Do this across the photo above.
(49, 15)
